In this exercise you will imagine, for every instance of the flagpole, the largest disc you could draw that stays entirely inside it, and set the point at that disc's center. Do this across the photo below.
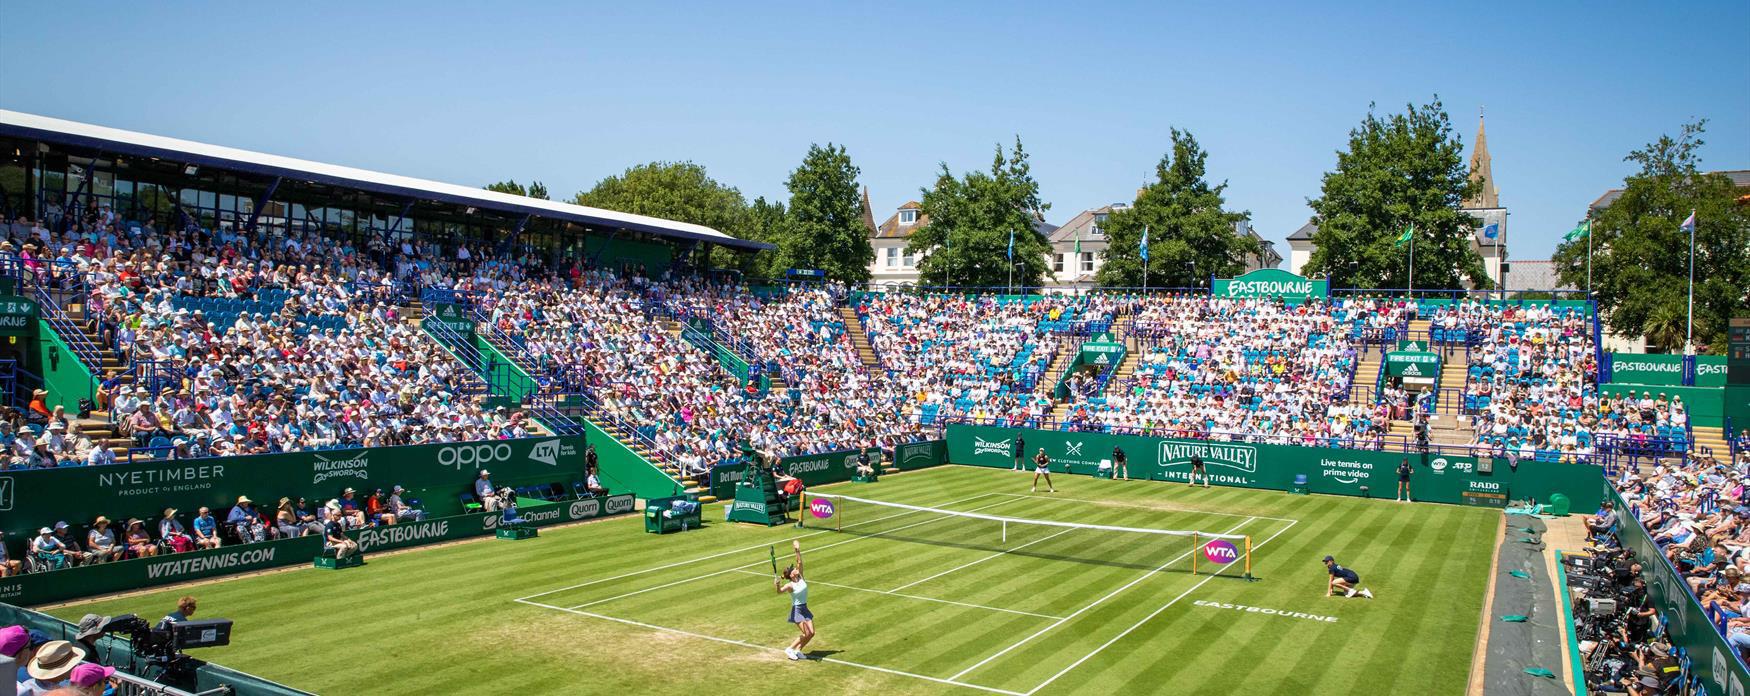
(1412, 280)
(1689, 339)
(1588, 253)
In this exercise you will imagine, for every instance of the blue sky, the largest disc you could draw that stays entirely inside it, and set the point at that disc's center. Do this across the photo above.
(568, 93)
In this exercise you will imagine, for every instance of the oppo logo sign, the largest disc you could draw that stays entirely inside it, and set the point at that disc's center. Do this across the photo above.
(478, 455)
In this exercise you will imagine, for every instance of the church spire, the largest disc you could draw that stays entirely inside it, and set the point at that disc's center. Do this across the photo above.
(1487, 196)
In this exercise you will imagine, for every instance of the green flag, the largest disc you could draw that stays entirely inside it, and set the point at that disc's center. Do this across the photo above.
(1581, 232)
(1405, 237)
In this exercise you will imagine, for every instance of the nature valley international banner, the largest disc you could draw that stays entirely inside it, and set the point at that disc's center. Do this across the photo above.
(436, 474)
(1271, 282)
(1329, 470)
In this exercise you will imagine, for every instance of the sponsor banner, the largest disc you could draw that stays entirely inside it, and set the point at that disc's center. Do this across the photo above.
(452, 316)
(1402, 363)
(1666, 369)
(916, 455)
(1271, 282)
(832, 467)
(821, 508)
(437, 474)
(60, 585)
(1328, 470)
(1713, 661)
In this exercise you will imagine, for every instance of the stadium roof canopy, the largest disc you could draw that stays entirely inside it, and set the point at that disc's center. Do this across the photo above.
(117, 141)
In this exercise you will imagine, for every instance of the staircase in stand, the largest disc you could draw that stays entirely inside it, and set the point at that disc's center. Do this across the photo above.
(632, 440)
(859, 338)
(1713, 438)
(98, 426)
(1370, 362)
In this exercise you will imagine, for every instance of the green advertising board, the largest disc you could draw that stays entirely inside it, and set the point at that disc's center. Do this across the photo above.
(1712, 660)
(85, 581)
(438, 474)
(1401, 363)
(832, 467)
(1271, 282)
(1665, 370)
(1102, 351)
(18, 316)
(1442, 478)
(1414, 346)
(452, 316)
(1706, 406)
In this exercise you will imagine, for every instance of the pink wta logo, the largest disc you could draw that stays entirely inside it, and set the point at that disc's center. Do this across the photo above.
(1220, 551)
(820, 508)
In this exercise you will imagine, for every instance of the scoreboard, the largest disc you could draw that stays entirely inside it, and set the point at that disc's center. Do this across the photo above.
(1738, 351)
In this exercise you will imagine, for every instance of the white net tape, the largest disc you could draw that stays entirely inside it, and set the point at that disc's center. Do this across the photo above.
(1022, 520)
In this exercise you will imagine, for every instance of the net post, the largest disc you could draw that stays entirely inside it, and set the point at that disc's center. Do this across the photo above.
(1249, 558)
(801, 512)
(1194, 548)
(838, 516)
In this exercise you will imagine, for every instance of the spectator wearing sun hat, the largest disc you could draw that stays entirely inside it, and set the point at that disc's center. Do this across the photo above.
(172, 531)
(100, 542)
(247, 523)
(15, 644)
(47, 549)
(8, 566)
(403, 511)
(50, 667)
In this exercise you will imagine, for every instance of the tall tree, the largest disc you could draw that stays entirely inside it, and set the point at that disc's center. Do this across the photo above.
(534, 190)
(825, 222)
(767, 222)
(1400, 171)
(1640, 254)
(972, 220)
(1190, 233)
(675, 191)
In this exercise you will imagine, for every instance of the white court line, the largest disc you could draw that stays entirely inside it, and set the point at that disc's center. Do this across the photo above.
(745, 644)
(755, 563)
(676, 564)
(1095, 603)
(917, 597)
(1135, 506)
(1146, 619)
(981, 560)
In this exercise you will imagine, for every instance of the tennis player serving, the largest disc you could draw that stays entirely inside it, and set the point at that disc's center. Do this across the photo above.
(799, 613)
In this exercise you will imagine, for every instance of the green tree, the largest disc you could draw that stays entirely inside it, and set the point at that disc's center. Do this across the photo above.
(767, 222)
(675, 191)
(1190, 234)
(825, 223)
(1640, 254)
(972, 219)
(1399, 170)
(534, 190)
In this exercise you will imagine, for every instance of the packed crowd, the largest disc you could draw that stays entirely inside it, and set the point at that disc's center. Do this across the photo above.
(1531, 381)
(251, 343)
(1698, 513)
(979, 358)
(1228, 368)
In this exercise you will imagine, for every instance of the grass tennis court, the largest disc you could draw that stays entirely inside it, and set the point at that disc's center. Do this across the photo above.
(905, 601)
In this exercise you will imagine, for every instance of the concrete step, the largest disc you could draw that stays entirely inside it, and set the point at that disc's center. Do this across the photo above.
(707, 498)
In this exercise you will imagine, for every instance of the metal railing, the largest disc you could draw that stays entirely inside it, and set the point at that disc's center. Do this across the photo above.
(480, 367)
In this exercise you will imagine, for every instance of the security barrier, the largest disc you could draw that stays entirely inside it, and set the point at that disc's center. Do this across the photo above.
(1435, 477)
(89, 580)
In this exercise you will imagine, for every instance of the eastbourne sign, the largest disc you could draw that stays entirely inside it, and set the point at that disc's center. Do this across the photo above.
(1271, 282)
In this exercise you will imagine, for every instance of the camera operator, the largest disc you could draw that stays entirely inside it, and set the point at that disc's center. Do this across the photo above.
(1654, 672)
(1639, 617)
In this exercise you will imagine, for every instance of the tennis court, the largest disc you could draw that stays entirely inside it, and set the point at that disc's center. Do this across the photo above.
(906, 601)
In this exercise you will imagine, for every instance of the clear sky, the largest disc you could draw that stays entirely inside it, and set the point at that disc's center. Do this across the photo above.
(568, 93)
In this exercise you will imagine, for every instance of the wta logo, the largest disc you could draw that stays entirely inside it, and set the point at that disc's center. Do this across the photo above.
(1220, 551)
(822, 509)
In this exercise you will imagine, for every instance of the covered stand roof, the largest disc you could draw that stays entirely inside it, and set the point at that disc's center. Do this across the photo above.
(117, 141)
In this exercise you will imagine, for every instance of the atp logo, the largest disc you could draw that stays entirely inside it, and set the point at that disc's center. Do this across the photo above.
(6, 485)
(545, 452)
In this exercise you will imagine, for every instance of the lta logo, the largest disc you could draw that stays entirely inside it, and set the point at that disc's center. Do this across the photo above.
(820, 508)
(1220, 551)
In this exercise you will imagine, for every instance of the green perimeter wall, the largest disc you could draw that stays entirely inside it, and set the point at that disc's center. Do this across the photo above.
(1436, 478)
(833, 467)
(622, 469)
(65, 378)
(1706, 405)
(1665, 369)
(86, 581)
(1713, 661)
(436, 474)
